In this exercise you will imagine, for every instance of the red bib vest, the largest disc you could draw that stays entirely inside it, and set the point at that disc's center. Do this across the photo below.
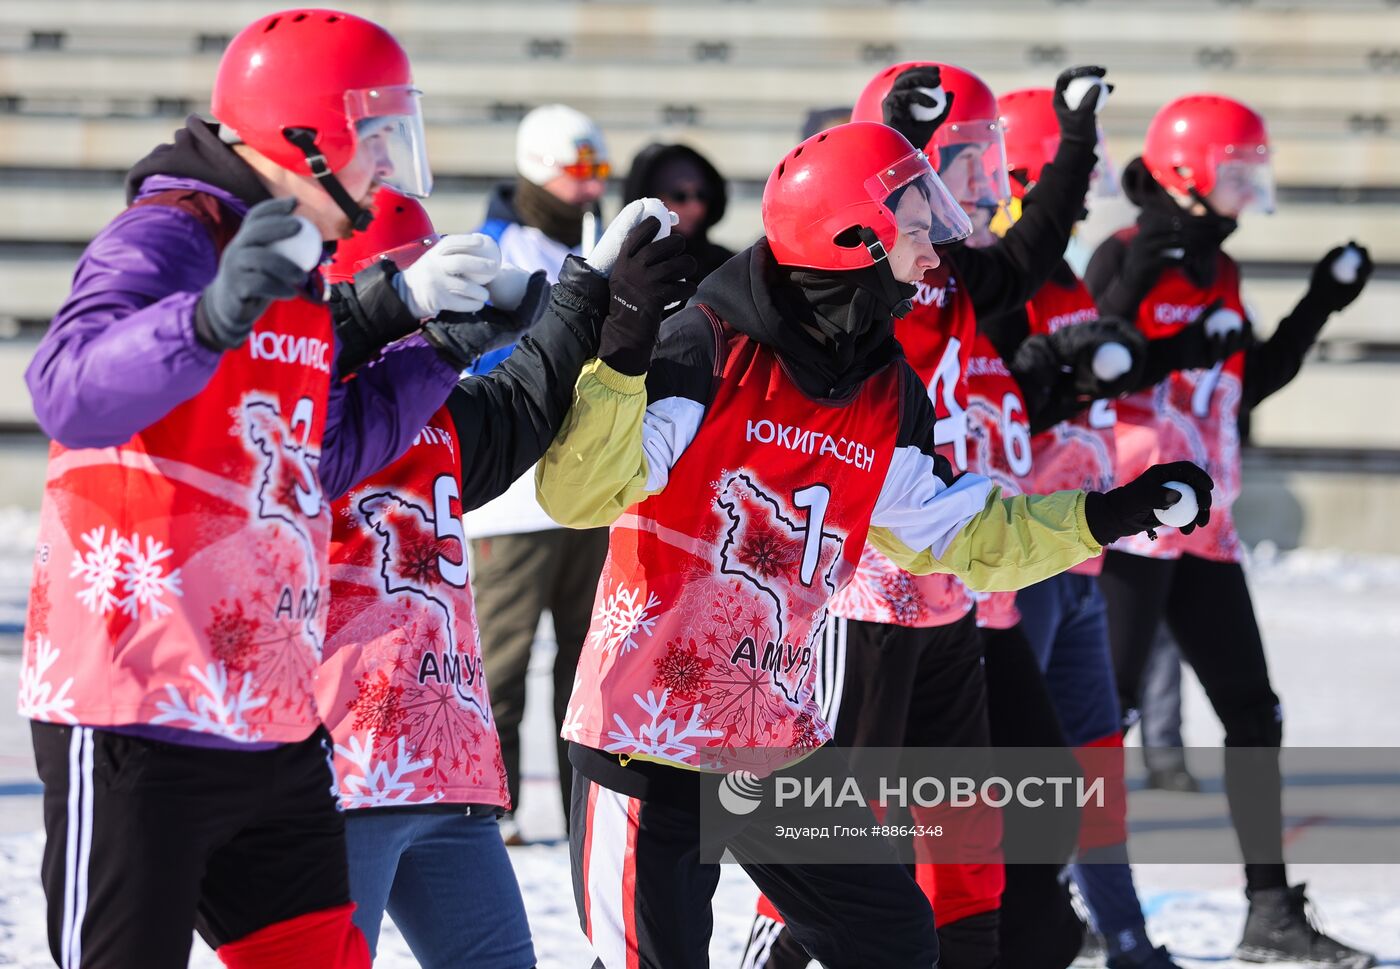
(999, 447)
(1080, 453)
(401, 686)
(711, 604)
(937, 337)
(1193, 415)
(180, 577)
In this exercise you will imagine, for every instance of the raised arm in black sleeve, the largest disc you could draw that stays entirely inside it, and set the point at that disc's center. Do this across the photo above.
(1002, 277)
(506, 419)
(1272, 363)
(1005, 275)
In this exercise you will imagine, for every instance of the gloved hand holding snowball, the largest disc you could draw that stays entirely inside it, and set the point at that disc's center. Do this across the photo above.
(452, 276)
(1340, 276)
(605, 253)
(1176, 494)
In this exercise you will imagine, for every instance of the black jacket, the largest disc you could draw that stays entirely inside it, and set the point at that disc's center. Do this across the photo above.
(505, 419)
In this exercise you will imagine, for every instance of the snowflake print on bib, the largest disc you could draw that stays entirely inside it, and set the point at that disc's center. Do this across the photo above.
(401, 688)
(710, 609)
(179, 579)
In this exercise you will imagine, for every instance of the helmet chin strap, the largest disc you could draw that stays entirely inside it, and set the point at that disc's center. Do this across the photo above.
(894, 296)
(305, 140)
(1196, 196)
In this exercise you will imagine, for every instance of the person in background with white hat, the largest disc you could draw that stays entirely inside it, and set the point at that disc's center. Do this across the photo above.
(523, 562)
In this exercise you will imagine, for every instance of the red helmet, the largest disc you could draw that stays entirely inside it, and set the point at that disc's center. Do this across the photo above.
(972, 120)
(401, 232)
(1031, 131)
(841, 179)
(329, 80)
(1202, 142)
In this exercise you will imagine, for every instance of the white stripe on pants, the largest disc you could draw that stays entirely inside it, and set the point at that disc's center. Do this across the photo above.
(831, 681)
(606, 866)
(765, 932)
(78, 848)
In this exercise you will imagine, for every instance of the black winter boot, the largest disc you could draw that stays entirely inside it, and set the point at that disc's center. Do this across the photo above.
(1279, 930)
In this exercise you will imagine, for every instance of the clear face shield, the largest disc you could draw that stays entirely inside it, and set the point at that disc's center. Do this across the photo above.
(972, 158)
(925, 211)
(1244, 179)
(389, 125)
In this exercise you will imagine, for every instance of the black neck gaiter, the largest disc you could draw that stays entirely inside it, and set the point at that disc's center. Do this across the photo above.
(846, 317)
(560, 220)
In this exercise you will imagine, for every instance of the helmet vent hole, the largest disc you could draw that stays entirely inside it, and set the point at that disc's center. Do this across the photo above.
(797, 152)
(333, 18)
(821, 137)
(298, 18)
(271, 23)
(781, 167)
(848, 238)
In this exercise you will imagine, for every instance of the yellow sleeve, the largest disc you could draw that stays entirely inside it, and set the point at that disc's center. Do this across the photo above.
(596, 467)
(1010, 544)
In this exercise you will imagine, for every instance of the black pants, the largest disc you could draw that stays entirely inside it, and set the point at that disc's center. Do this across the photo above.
(643, 895)
(897, 686)
(1207, 607)
(1039, 928)
(148, 841)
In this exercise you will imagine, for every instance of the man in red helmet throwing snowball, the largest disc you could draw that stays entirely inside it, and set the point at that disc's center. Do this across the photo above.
(201, 430)
(1205, 163)
(742, 460)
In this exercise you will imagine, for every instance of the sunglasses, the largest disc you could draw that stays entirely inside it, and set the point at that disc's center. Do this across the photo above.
(682, 196)
(586, 170)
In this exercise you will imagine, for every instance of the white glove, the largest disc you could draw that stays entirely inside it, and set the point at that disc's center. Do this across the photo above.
(605, 253)
(508, 288)
(452, 275)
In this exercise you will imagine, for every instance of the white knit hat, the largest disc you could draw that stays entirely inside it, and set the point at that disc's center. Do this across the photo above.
(555, 135)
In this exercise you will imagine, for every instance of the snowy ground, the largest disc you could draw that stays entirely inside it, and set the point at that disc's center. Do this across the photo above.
(1332, 624)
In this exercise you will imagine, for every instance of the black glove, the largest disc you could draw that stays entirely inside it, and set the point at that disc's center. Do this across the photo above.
(649, 275)
(462, 338)
(1131, 509)
(1326, 291)
(1159, 242)
(1077, 346)
(251, 275)
(1078, 125)
(913, 113)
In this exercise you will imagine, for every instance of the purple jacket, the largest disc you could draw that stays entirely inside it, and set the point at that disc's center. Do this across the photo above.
(121, 353)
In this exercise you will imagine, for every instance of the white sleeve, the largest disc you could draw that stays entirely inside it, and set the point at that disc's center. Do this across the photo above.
(922, 510)
(667, 430)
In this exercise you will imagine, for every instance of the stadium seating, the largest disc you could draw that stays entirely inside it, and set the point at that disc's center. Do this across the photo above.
(87, 86)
